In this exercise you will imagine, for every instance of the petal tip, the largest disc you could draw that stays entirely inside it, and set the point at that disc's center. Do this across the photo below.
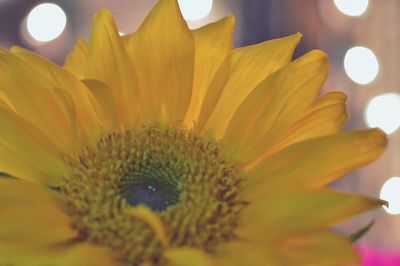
(380, 135)
(103, 13)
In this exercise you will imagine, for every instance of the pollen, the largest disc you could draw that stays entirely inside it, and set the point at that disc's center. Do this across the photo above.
(185, 180)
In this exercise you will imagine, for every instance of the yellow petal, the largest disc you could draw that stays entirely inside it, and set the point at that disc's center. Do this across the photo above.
(18, 137)
(107, 107)
(322, 248)
(250, 66)
(30, 217)
(63, 255)
(150, 218)
(72, 95)
(35, 99)
(17, 165)
(279, 217)
(270, 110)
(162, 51)
(108, 62)
(186, 256)
(76, 60)
(314, 163)
(213, 44)
(240, 253)
(326, 116)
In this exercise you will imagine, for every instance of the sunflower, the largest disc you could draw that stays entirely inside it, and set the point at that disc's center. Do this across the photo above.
(169, 147)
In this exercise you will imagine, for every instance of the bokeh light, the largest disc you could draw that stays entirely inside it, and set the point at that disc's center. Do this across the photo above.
(195, 9)
(46, 22)
(361, 65)
(390, 192)
(352, 8)
(384, 112)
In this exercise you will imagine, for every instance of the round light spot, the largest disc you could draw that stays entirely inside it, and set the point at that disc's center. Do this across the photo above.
(352, 8)
(361, 65)
(390, 192)
(46, 22)
(384, 112)
(195, 9)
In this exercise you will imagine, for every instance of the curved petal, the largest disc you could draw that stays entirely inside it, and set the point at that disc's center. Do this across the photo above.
(295, 213)
(213, 44)
(314, 163)
(75, 255)
(107, 107)
(32, 151)
(35, 99)
(15, 164)
(320, 248)
(270, 110)
(108, 62)
(72, 94)
(162, 51)
(76, 61)
(187, 256)
(326, 116)
(250, 65)
(152, 220)
(29, 217)
(238, 253)
(34, 230)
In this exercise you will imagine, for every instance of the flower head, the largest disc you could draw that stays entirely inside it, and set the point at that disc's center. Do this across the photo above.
(169, 147)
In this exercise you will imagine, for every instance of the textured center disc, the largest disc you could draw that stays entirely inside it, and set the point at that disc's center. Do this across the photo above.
(185, 180)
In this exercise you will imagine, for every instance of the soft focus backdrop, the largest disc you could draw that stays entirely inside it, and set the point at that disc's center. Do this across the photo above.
(361, 37)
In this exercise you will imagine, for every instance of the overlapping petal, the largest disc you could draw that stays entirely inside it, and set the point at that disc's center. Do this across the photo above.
(213, 43)
(249, 66)
(36, 100)
(76, 61)
(264, 109)
(270, 110)
(314, 163)
(272, 217)
(108, 62)
(76, 100)
(163, 54)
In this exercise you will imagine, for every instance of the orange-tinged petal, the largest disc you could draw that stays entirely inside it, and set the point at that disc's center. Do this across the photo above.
(76, 60)
(187, 256)
(279, 217)
(250, 66)
(270, 110)
(213, 44)
(108, 62)
(29, 216)
(321, 248)
(162, 51)
(314, 163)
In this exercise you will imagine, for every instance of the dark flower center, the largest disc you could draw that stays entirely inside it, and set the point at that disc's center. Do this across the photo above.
(149, 191)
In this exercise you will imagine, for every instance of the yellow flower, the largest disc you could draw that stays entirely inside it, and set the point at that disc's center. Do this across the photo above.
(169, 147)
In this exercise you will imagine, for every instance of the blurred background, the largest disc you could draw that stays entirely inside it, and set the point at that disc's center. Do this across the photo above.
(361, 37)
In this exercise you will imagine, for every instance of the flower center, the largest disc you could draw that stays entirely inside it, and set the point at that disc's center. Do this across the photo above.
(184, 179)
(153, 192)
